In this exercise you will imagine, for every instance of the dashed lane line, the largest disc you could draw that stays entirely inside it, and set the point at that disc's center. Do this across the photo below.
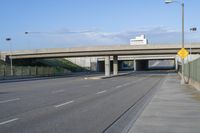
(101, 92)
(63, 104)
(10, 100)
(8, 121)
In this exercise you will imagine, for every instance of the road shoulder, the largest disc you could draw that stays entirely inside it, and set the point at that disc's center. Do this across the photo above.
(175, 108)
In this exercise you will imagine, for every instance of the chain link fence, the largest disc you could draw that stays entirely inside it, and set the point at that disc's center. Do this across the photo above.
(30, 71)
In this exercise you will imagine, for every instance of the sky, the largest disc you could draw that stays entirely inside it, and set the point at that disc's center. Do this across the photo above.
(79, 23)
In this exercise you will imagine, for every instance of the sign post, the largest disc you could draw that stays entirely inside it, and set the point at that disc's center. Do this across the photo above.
(183, 53)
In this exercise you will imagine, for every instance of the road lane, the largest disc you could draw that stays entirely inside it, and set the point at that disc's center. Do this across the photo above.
(90, 113)
(40, 98)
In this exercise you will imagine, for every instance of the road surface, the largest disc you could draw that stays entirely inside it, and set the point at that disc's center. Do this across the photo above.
(72, 105)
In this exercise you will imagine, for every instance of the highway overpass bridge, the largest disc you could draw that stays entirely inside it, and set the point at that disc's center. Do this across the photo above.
(161, 51)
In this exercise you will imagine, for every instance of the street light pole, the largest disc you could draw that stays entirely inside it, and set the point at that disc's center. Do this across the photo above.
(183, 33)
(183, 41)
(11, 62)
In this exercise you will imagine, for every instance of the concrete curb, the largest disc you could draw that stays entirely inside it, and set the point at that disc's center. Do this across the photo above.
(191, 82)
(31, 78)
(106, 77)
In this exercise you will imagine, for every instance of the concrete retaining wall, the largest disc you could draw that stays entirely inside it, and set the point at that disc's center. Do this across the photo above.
(194, 83)
(192, 73)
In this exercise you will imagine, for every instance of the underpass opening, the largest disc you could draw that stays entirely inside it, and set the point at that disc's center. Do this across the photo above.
(140, 65)
(155, 64)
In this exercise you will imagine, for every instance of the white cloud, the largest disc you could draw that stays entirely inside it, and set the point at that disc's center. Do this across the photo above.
(67, 38)
(154, 35)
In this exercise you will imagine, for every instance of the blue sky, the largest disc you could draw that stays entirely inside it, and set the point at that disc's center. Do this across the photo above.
(73, 23)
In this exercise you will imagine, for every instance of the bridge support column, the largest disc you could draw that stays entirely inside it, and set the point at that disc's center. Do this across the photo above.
(176, 63)
(115, 65)
(107, 66)
(135, 67)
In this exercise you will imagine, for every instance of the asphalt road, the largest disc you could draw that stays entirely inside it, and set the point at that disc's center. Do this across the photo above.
(71, 105)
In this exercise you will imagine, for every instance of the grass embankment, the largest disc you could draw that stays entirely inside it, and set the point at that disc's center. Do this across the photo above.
(2, 62)
(63, 63)
(58, 63)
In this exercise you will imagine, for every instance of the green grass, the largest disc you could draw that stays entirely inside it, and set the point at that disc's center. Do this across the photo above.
(2, 62)
(58, 63)
(63, 63)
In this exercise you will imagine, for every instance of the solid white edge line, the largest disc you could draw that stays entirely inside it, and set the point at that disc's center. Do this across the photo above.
(8, 121)
(101, 92)
(10, 100)
(59, 105)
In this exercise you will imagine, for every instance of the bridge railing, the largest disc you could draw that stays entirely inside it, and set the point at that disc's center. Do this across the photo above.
(30, 71)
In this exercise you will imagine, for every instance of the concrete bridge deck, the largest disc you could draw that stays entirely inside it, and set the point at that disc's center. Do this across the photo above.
(99, 51)
(107, 51)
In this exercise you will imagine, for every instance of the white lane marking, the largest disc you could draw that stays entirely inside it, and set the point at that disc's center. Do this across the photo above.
(10, 100)
(101, 92)
(118, 86)
(8, 121)
(63, 104)
(58, 91)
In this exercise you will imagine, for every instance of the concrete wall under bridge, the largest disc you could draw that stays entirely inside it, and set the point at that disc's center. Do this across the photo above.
(151, 64)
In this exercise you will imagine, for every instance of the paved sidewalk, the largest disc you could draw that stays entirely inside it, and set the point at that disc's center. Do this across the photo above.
(175, 108)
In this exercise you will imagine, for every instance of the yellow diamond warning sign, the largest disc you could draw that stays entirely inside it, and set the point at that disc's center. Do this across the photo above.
(183, 53)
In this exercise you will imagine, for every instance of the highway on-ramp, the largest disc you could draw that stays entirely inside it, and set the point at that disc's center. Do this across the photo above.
(73, 105)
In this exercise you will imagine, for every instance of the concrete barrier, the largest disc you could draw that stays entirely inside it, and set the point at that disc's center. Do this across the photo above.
(192, 73)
